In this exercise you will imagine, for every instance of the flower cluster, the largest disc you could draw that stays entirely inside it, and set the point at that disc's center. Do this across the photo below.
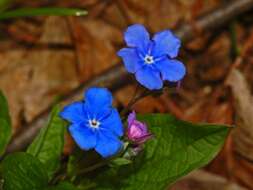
(152, 61)
(95, 124)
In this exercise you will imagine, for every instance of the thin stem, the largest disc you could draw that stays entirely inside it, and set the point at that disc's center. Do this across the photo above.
(60, 175)
(127, 108)
(96, 166)
(58, 178)
(91, 168)
(138, 97)
(235, 51)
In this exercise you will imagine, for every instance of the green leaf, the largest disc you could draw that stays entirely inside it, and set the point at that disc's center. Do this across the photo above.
(22, 171)
(5, 124)
(86, 184)
(5, 135)
(46, 11)
(48, 145)
(63, 186)
(4, 110)
(120, 162)
(178, 148)
(66, 186)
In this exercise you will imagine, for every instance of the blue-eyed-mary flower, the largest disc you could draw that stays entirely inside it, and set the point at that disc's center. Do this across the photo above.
(152, 60)
(137, 132)
(95, 123)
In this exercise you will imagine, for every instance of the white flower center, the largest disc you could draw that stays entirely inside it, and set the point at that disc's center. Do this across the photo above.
(94, 123)
(149, 59)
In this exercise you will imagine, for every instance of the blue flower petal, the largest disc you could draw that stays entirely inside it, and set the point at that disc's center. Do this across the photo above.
(98, 113)
(149, 77)
(83, 136)
(98, 96)
(98, 103)
(113, 123)
(172, 70)
(131, 59)
(166, 43)
(137, 36)
(107, 144)
(74, 112)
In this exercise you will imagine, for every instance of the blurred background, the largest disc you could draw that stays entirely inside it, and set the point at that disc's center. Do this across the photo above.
(45, 60)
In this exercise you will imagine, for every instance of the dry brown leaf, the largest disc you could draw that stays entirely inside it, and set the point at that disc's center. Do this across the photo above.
(243, 134)
(33, 79)
(202, 180)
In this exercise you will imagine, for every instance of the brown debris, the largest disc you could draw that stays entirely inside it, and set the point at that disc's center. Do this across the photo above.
(50, 59)
(243, 134)
(201, 180)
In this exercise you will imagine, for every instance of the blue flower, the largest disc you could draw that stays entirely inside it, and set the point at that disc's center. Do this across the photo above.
(152, 61)
(95, 123)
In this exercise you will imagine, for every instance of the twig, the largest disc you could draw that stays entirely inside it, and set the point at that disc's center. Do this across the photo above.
(117, 77)
(215, 19)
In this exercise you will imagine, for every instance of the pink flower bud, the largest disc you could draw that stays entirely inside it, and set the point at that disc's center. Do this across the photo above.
(137, 131)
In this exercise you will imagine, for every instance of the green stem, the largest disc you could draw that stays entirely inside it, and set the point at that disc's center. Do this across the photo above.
(235, 52)
(46, 11)
(91, 168)
(133, 100)
(96, 166)
(60, 175)
(138, 97)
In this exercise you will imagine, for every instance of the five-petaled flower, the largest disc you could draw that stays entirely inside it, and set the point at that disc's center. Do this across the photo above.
(137, 132)
(95, 123)
(152, 61)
